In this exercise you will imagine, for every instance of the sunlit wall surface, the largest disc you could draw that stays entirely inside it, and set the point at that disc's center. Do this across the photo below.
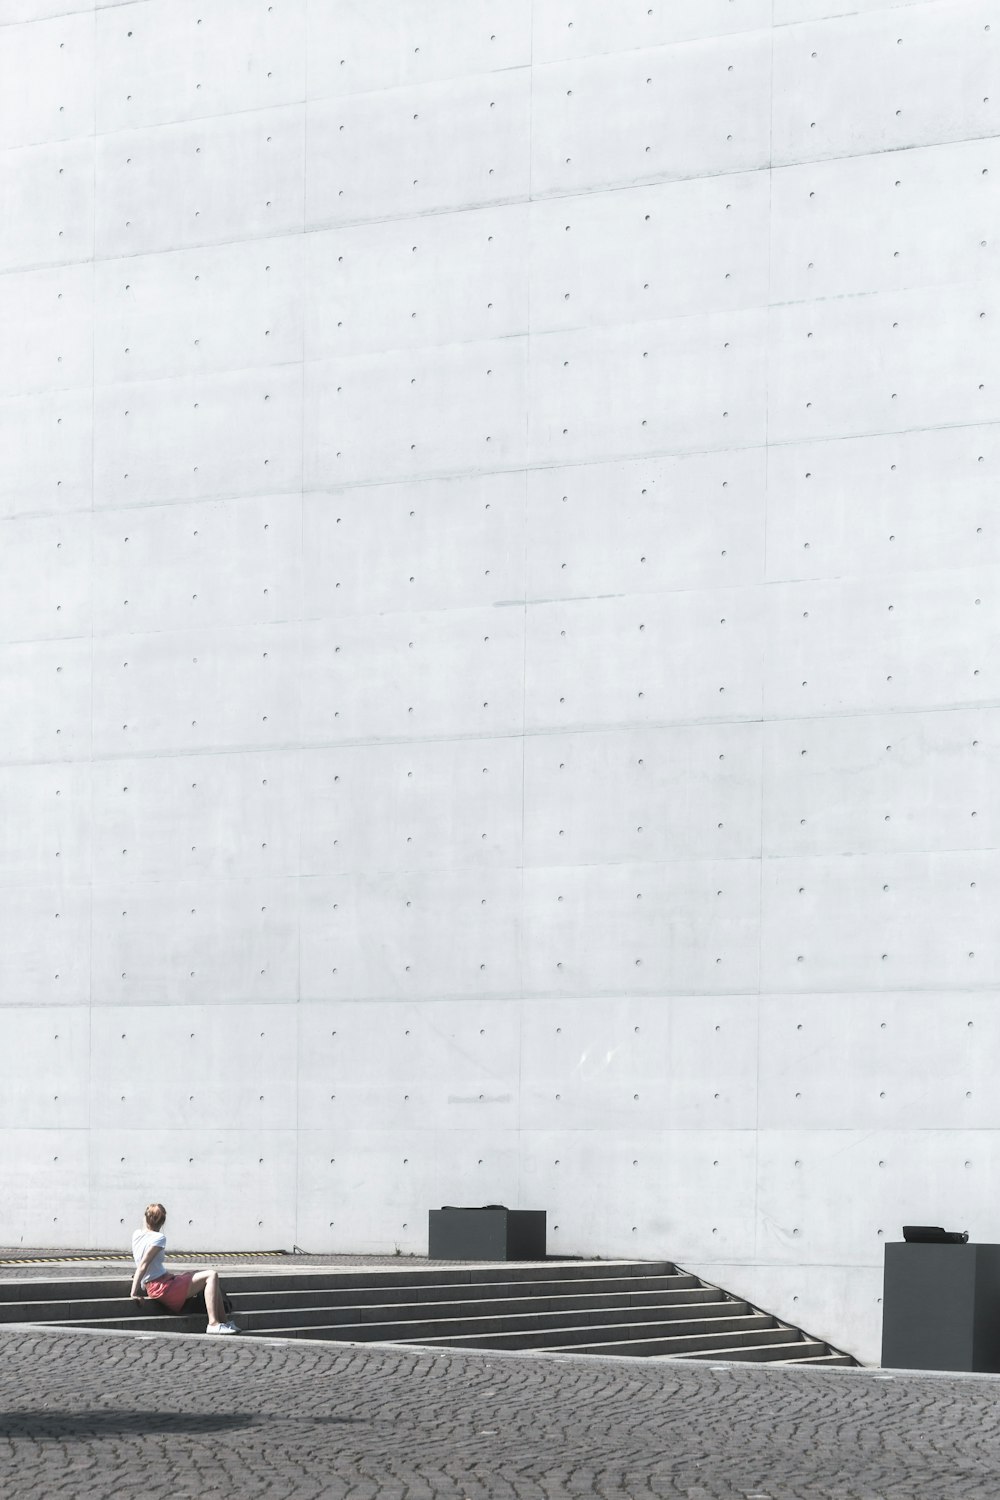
(499, 613)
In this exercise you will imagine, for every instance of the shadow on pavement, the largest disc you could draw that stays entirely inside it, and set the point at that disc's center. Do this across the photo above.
(59, 1425)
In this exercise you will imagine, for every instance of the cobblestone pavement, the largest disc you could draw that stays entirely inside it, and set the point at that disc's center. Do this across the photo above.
(96, 1414)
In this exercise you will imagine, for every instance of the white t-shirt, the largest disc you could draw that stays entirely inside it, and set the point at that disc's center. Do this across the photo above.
(141, 1241)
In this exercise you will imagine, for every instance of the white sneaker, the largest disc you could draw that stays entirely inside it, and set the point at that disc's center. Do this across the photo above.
(223, 1328)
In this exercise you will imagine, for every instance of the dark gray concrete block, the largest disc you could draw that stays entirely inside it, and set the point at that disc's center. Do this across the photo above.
(486, 1234)
(941, 1307)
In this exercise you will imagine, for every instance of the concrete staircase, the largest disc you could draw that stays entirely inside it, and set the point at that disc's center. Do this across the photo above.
(583, 1307)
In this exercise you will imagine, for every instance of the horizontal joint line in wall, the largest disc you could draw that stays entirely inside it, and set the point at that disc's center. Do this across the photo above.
(207, 879)
(709, 861)
(242, 497)
(648, 455)
(430, 475)
(424, 345)
(874, 432)
(688, 41)
(454, 997)
(988, 285)
(816, 159)
(305, 746)
(33, 266)
(266, 238)
(528, 732)
(889, 989)
(646, 726)
(904, 852)
(485, 204)
(459, 997)
(901, 575)
(202, 373)
(612, 456)
(652, 180)
(980, 705)
(294, 747)
(735, 992)
(298, 103)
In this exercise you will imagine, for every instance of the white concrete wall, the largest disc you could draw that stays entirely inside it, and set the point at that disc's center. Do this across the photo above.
(499, 614)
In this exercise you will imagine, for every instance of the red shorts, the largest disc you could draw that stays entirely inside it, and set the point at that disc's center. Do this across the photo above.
(172, 1291)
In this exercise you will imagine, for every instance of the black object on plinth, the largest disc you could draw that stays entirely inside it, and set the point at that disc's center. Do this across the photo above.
(941, 1308)
(493, 1233)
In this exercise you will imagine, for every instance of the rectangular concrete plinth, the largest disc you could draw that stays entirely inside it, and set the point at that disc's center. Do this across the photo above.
(941, 1308)
(486, 1234)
